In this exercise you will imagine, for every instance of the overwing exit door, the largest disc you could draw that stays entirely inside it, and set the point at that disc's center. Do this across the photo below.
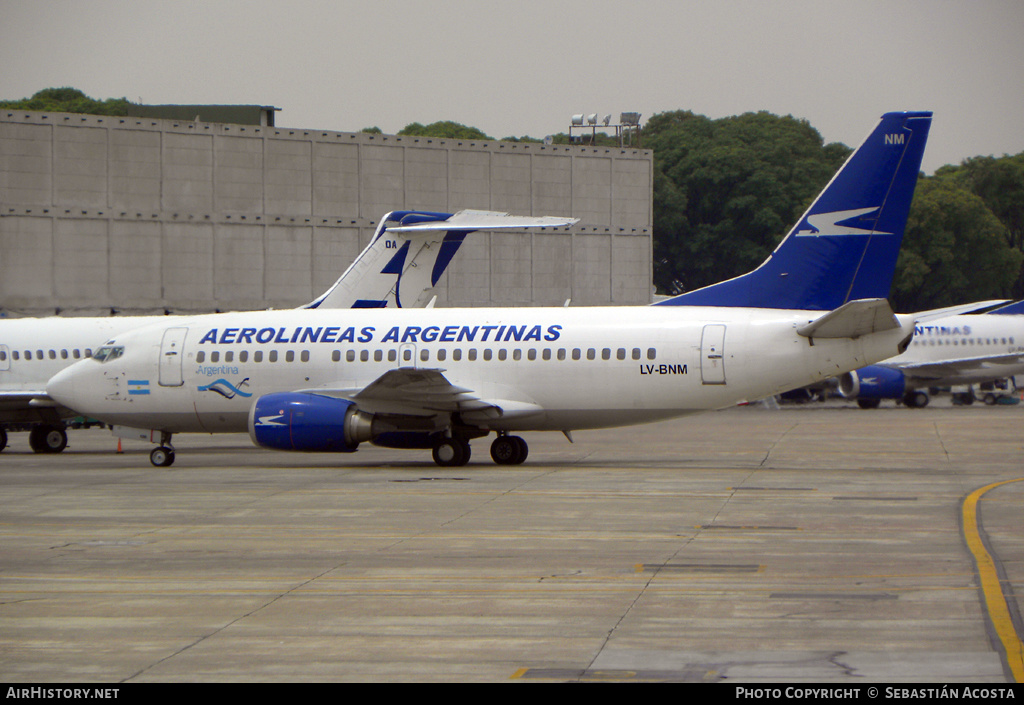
(171, 353)
(712, 354)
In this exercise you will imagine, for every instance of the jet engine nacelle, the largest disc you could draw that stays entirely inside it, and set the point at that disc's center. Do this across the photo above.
(873, 382)
(308, 422)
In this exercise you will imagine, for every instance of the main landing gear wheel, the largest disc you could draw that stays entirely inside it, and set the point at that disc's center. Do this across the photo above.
(916, 399)
(451, 452)
(3, 439)
(509, 450)
(162, 457)
(48, 439)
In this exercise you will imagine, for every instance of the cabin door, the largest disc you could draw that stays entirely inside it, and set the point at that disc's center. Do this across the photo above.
(172, 352)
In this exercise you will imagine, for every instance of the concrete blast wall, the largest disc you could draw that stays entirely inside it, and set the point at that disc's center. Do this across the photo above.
(146, 215)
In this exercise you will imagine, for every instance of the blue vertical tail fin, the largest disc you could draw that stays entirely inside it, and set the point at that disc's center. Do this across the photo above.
(845, 246)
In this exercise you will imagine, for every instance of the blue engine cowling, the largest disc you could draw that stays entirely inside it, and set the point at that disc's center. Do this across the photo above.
(873, 382)
(308, 422)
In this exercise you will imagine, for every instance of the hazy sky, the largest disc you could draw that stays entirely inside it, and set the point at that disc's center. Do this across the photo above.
(524, 67)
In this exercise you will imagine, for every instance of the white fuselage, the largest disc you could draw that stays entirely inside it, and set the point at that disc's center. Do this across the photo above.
(32, 350)
(545, 368)
(996, 340)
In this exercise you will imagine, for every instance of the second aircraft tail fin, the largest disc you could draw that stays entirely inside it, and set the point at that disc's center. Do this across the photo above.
(409, 252)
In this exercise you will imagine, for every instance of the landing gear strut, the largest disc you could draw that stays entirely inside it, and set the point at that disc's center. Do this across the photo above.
(163, 456)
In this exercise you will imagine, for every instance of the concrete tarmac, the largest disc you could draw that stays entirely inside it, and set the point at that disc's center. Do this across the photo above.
(813, 543)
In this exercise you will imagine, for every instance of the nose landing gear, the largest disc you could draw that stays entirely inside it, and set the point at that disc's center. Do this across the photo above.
(163, 456)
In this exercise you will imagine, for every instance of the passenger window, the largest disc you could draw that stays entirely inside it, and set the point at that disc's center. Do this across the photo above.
(28, 354)
(503, 354)
(3, 355)
(636, 353)
(620, 354)
(606, 354)
(547, 354)
(272, 356)
(76, 354)
(305, 356)
(591, 353)
(577, 353)
(63, 354)
(336, 356)
(531, 354)
(215, 357)
(392, 355)
(350, 356)
(15, 354)
(289, 356)
(229, 356)
(561, 353)
(378, 355)
(441, 355)
(53, 354)
(200, 356)
(243, 356)
(487, 354)
(651, 353)
(517, 354)
(472, 354)
(364, 355)
(257, 356)
(424, 355)
(457, 354)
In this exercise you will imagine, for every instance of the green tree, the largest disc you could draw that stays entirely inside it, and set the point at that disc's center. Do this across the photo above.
(954, 250)
(999, 182)
(444, 129)
(68, 100)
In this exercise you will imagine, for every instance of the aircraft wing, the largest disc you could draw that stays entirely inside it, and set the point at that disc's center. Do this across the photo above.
(413, 392)
(964, 370)
(22, 398)
(923, 316)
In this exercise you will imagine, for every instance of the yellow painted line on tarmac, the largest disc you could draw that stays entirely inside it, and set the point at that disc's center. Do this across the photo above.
(995, 601)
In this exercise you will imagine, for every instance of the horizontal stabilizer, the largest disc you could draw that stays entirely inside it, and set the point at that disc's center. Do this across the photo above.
(484, 220)
(852, 320)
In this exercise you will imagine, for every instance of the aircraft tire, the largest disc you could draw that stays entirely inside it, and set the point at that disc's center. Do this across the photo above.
(916, 399)
(509, 450)
(3, 439)
(451, 452)
(48, 439)
(868, 403)
(162, 457)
